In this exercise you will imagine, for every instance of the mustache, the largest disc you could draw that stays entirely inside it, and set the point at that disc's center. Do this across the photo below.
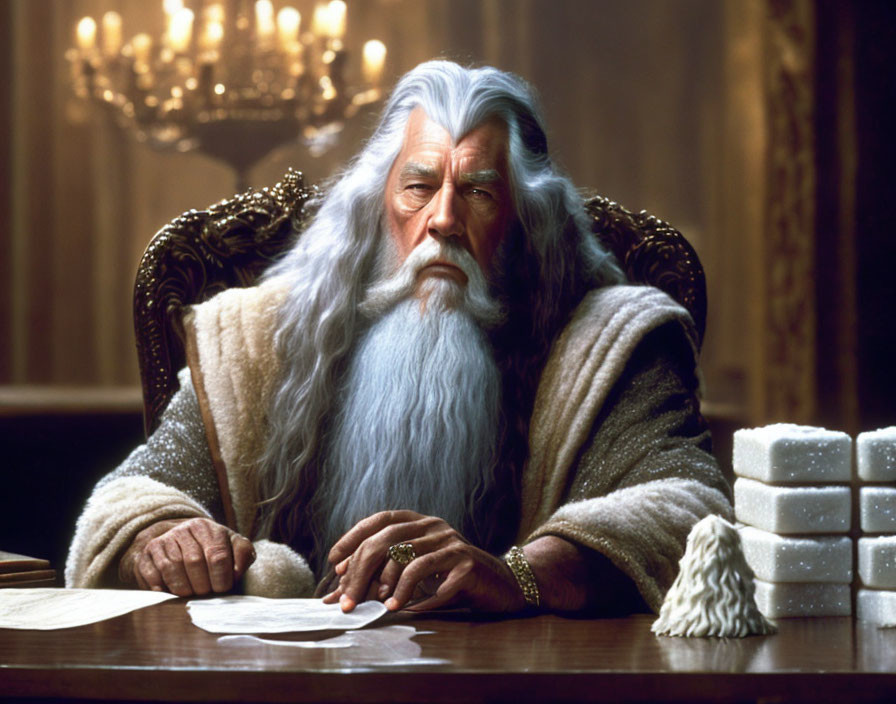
(477, 299)
(427, 253)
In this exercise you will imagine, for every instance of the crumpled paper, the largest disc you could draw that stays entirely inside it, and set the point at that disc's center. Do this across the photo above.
(255, 614)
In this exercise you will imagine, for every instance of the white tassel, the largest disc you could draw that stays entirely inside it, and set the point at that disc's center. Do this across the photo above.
(713, 594)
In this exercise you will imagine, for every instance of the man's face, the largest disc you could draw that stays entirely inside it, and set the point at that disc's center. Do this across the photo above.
(449, 191)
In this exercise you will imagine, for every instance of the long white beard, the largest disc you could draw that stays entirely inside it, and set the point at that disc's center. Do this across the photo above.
(419, 410)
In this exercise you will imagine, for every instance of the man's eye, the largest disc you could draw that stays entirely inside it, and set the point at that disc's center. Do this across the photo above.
(479, 193)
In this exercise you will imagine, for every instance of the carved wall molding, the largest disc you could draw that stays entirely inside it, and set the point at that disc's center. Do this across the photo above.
(787, 367)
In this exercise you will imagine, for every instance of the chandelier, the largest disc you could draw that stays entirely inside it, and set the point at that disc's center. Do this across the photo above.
(232, 82)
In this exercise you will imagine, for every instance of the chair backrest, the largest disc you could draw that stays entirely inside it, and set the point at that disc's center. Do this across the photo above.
(229, 244)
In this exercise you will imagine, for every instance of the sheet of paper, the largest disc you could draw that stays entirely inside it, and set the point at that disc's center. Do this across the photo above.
(255, 614)
(47, 609)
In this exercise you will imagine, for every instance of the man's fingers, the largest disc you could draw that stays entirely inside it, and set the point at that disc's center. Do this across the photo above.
(373, 590)
(220, 565)
(328, 584)
(425, 534)
(243, 554)
(444, 568)
(147, 574)
(340, 568)
(346, 603)
(453, 563)
(193, 555)
(424, 545)
(369, 559)
(227, 554)
(188, 556)
(167, 559)
(217, 549)
(415, 572)
(365, 528)
(392, 570)
(446, 593)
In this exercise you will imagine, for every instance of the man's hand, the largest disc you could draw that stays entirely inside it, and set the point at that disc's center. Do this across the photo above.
(447, 570)
(186, 557)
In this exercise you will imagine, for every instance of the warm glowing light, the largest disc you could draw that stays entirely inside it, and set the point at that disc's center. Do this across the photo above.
(320, 20)
(142, 45)
(374, 59)
(265, 27)
(214, 13)
(212, 35)
(288, 22)
(226, 61)
(86, 33)
(172, 7)
(336, 11)
(328, 91)
(111, 33)
(180, 30)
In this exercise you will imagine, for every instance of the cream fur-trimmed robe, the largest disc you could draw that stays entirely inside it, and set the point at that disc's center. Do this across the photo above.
(642, 528)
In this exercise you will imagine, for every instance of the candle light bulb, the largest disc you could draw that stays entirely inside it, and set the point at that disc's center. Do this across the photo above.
(212, 36)
(172, 7)
(86, 33)
(111, 33)
(180, 31)
(214, 13)
(265, 26)
(373, 61)
(288, 22)
(321, 20)
(142, 45)
(336, 12)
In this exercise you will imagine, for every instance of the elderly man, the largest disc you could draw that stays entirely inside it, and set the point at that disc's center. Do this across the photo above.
(443, 395)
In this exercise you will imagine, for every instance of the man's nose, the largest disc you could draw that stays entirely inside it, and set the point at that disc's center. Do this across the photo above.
(445, 219)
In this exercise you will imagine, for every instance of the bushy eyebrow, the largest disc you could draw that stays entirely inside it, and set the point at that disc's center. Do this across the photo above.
(414, 169)
(485, 177)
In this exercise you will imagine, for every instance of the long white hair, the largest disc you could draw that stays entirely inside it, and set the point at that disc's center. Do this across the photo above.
(547, 263)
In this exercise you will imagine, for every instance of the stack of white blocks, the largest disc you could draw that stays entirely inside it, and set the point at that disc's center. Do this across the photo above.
(876, 465)
(792, 494)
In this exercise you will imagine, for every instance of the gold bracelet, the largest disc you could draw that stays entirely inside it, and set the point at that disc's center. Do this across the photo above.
(519, 565)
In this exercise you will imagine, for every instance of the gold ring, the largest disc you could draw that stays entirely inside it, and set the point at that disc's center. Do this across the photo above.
(402, 553)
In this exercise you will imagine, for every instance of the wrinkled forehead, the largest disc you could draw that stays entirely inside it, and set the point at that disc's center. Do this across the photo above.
(488, 139)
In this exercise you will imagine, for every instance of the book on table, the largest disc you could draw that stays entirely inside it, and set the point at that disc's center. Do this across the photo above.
(24, 571)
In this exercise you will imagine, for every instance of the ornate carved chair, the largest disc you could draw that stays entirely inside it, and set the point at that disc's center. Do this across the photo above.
(203, 252)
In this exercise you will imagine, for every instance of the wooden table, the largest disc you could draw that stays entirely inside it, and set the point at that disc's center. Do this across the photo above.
(157, 654)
